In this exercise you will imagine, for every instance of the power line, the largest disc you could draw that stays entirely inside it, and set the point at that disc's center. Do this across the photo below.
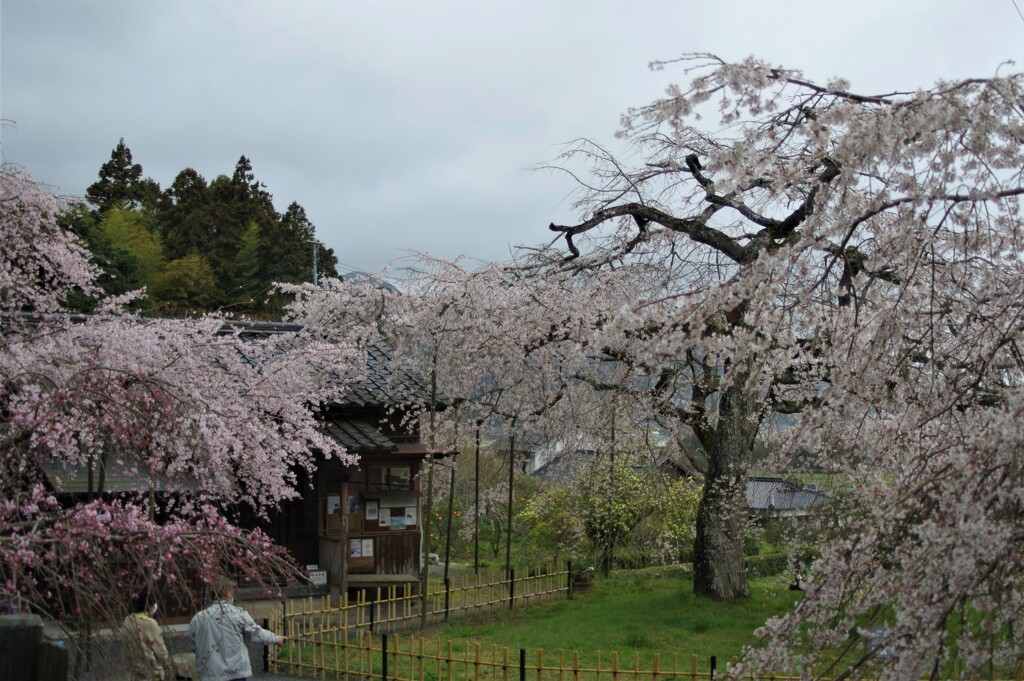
(1016, 7)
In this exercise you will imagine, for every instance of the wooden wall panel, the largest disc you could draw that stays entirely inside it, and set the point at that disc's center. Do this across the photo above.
(398, 553)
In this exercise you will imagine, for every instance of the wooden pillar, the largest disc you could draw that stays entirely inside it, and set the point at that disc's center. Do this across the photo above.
(344, 538)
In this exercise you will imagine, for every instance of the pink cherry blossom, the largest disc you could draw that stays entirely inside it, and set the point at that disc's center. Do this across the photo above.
(200, 417)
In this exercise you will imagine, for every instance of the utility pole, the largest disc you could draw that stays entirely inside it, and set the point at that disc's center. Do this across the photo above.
(315, 245)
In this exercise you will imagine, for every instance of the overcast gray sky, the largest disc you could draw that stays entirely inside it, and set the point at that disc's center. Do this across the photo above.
(410, 125)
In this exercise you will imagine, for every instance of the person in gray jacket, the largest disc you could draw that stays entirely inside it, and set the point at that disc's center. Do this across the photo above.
(219, 634)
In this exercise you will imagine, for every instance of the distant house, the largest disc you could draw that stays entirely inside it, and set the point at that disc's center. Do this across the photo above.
(774, 497)
(675, 470)
(766, 497)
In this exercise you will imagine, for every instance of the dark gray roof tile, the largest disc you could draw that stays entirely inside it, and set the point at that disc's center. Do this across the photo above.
(358, 436)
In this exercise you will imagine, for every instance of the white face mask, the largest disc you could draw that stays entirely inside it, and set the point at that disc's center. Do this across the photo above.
(152, 611)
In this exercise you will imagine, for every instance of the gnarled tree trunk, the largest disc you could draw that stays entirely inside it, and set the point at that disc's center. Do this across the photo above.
(718, 567)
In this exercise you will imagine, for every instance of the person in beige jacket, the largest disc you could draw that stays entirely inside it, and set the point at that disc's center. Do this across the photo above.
(144, 644)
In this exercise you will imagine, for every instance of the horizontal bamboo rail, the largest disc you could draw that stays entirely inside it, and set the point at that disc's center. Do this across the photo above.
(392, 609)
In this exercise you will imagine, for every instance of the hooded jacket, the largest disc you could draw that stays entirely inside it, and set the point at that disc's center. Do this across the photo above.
(219, 635)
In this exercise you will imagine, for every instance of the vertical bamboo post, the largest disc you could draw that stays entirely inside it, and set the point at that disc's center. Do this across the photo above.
(346, 646)
(693, 667)
(615, 665)
(359, 651)
(290, 633)
(437, 658)
(360, 608)
(337, 664)
(654, 668)
(364, 647)
(540, 664)
(575, 665)
(323, 659)
(398, 654)
(449, 660)
(476, 657)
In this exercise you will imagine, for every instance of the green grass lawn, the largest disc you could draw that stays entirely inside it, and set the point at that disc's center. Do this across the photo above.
(630, 613)
(635, 614)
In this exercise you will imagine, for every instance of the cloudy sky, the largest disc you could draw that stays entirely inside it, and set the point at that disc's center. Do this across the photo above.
(412, 125)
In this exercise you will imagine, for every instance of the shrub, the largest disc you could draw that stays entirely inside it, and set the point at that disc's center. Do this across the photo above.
(766, 565)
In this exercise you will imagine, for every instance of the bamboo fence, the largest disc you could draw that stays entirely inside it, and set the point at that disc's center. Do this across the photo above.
(361, 640)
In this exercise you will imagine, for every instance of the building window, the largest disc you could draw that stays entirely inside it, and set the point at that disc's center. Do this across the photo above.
(389, 477)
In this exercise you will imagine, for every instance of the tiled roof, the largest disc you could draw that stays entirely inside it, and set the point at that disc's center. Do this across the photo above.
(381, 387)
(358, 436)
(247, 329)
(779, 494)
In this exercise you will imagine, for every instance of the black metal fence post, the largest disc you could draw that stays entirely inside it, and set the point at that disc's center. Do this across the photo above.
(522, 664)
(384, 657)
(447, 597)
(568, 571)
(372, 603)
(714, 662)
(511, 588)
(266, 649)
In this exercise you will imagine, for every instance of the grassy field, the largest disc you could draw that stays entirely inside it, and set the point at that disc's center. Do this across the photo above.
(630, 613)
